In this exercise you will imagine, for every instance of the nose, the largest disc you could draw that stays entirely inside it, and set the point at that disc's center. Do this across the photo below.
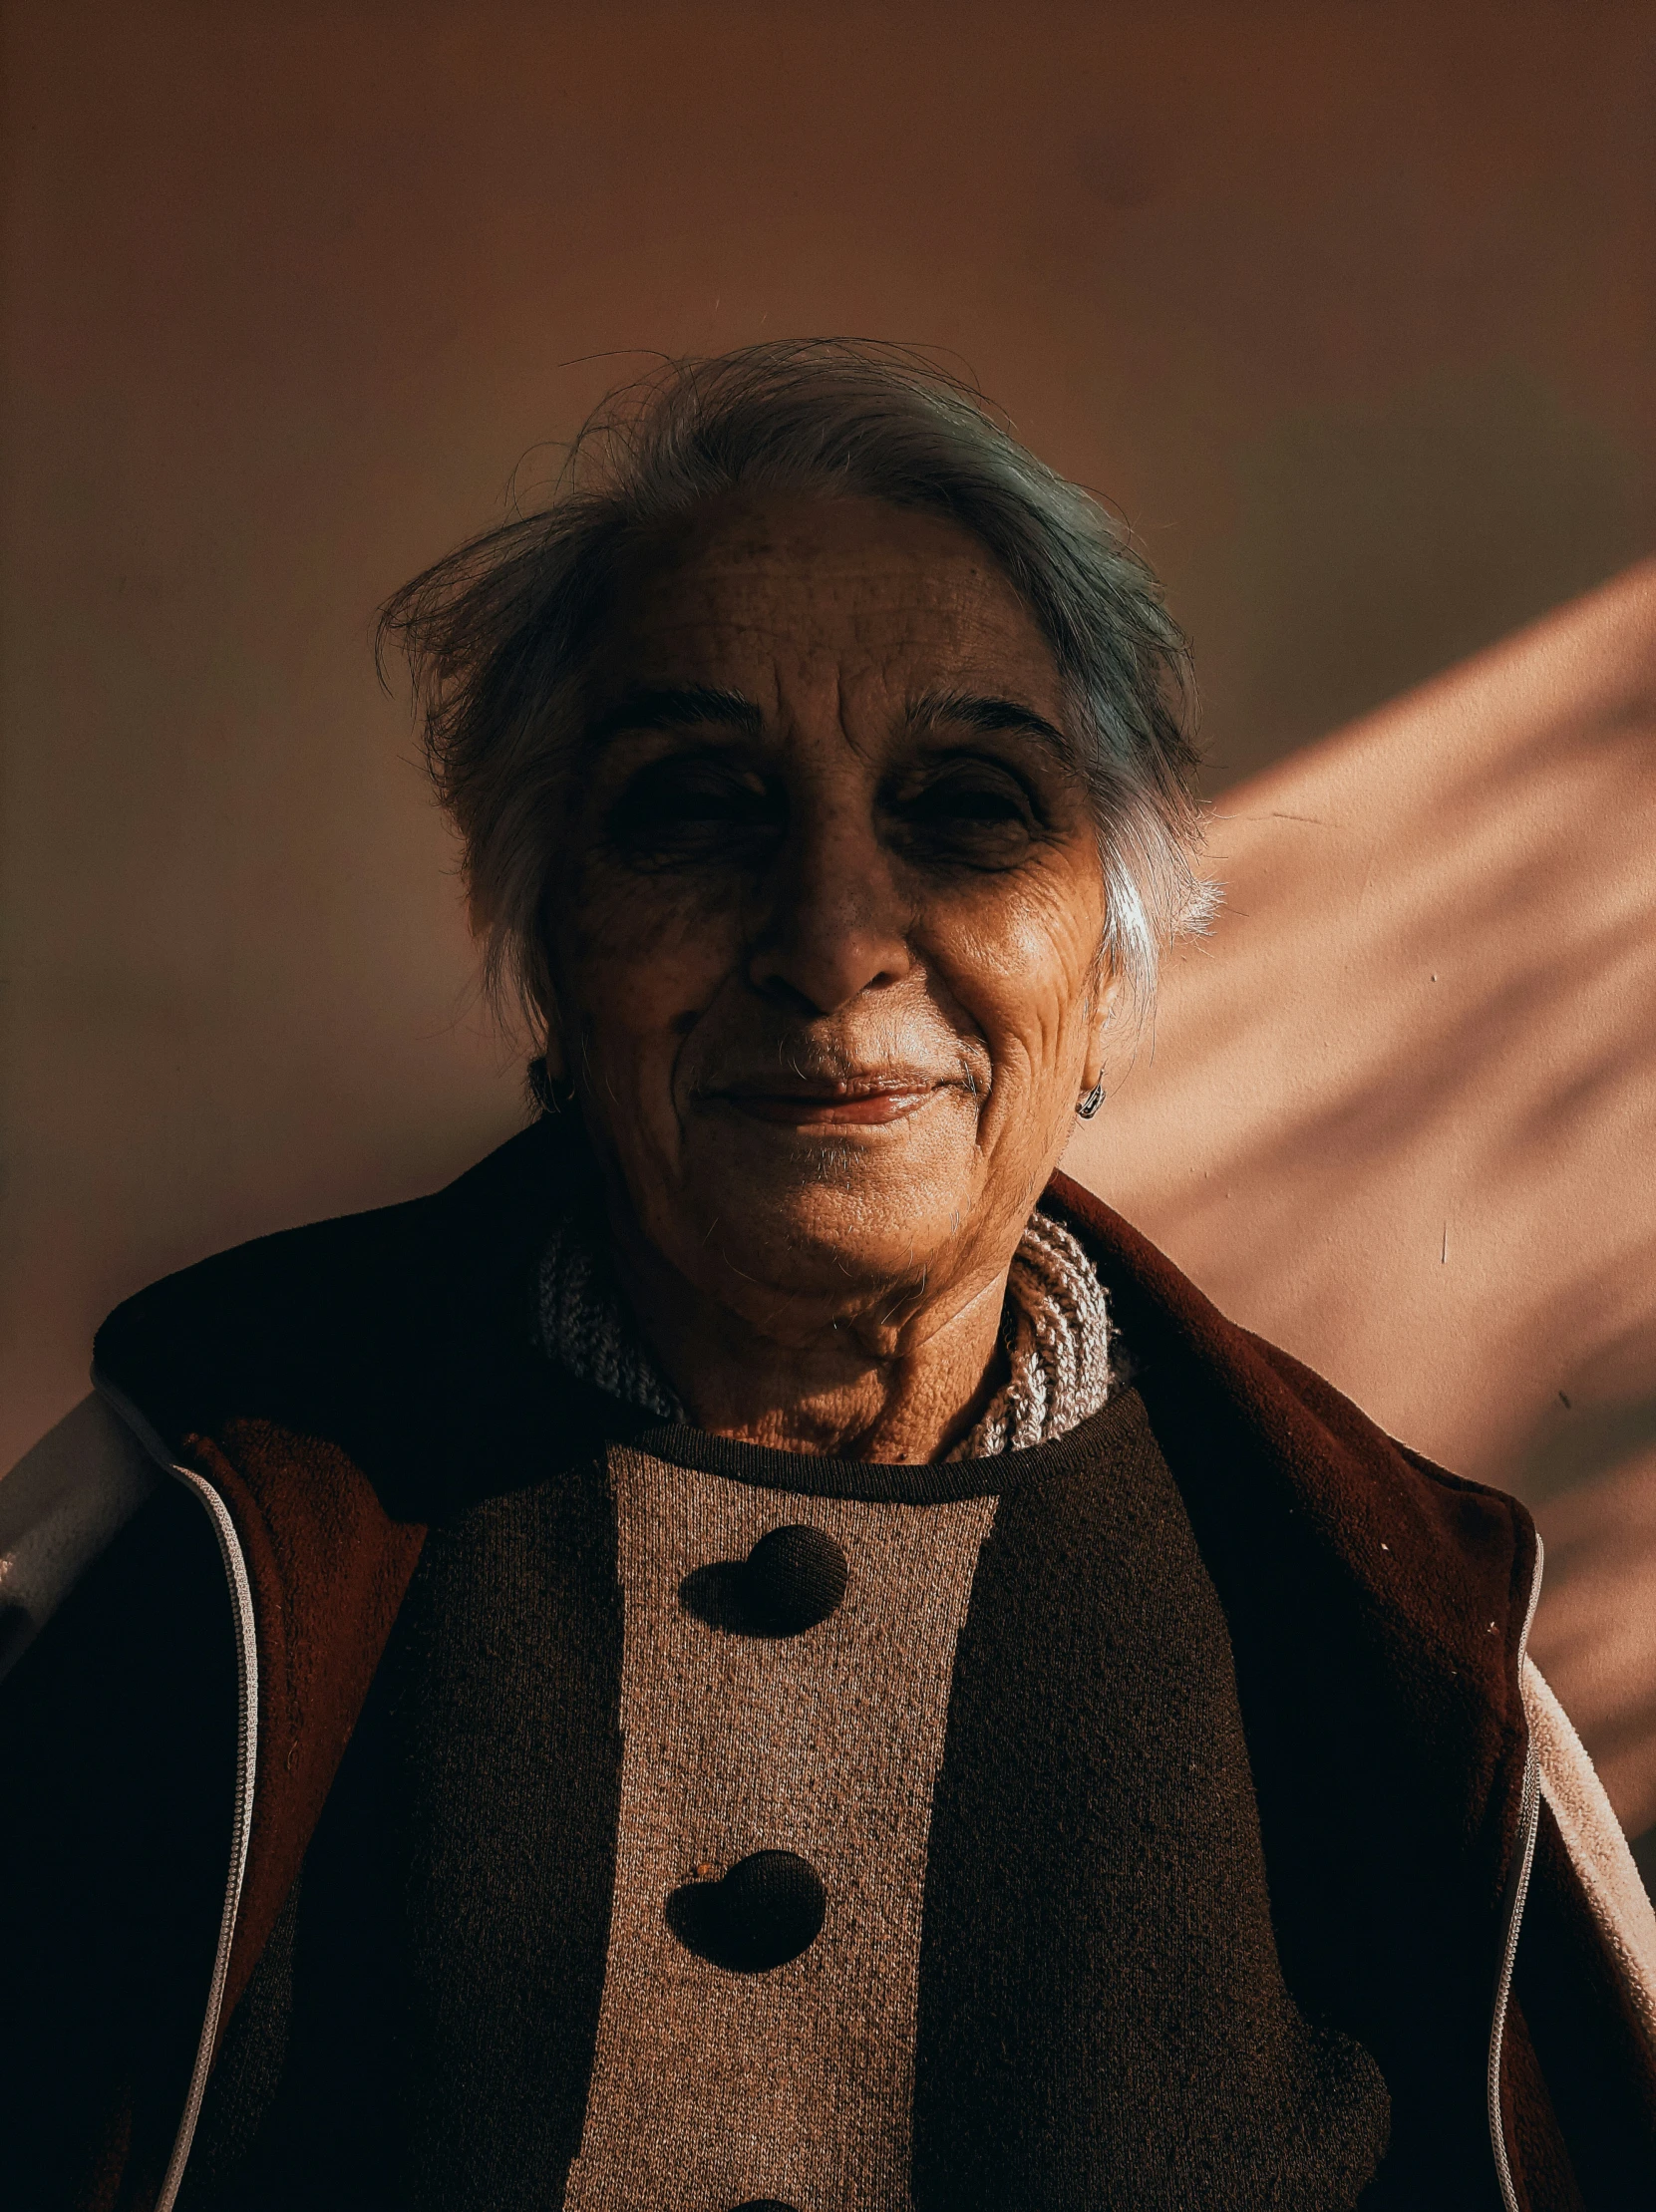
(836, 926)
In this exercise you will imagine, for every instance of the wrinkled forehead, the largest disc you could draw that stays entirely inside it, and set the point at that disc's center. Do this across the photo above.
(778, 596)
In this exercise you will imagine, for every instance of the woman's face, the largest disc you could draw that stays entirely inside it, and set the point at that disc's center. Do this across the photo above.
(828, 946)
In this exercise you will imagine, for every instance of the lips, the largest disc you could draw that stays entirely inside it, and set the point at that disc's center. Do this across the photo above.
(857, 1102)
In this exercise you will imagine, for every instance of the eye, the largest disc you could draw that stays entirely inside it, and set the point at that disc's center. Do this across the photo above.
(690, 807)
(975, 813)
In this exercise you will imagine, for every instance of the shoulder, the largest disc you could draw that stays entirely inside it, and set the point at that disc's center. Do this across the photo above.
(313, 1277)
(1257, 1430)
(356, 1324)
(1165, 1316)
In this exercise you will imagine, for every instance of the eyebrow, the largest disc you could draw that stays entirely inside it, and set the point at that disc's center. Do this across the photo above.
(690, 706)
(989, 716)
(676, 706)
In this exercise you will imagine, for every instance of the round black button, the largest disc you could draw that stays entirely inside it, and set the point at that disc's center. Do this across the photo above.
(793, 1578)
(769, 1908)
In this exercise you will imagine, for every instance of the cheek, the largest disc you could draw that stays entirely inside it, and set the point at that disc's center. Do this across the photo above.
(636, 957)
(1023, 963)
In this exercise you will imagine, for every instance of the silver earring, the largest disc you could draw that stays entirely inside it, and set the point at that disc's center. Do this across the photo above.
(1093, 1101)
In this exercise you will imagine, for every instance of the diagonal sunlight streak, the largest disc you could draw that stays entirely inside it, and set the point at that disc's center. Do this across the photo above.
(1400, 1112)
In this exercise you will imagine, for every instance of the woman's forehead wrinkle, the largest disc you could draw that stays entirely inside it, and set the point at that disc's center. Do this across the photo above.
(894, 563)
(870, 634)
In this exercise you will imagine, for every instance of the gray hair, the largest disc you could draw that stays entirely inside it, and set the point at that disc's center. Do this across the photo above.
(499, 634)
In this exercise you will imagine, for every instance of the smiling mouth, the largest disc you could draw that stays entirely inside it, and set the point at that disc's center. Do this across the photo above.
(857, 1103)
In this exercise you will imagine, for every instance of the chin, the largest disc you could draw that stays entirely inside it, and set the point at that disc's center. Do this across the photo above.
(834, 1238)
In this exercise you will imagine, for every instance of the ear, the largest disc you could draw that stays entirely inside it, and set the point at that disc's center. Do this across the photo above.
(551, 1051)
(1101, 1012)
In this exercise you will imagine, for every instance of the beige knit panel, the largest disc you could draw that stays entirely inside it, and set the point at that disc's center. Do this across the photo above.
(710, 2089)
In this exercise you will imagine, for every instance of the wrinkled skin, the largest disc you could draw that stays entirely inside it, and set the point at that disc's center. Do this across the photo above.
(827, 962)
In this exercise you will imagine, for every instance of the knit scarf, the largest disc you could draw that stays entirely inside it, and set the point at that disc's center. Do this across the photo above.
(1054, 1331)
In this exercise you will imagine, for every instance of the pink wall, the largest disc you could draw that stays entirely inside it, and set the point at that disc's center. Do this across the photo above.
(1400, 1114)
(1350, 308)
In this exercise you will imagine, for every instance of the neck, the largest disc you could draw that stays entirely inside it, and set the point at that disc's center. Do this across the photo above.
(850, 1387)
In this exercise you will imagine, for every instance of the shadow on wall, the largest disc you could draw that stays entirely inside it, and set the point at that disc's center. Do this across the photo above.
(1399, 1112)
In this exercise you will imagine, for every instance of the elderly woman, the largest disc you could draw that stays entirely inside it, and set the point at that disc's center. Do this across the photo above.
(763, 1649)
